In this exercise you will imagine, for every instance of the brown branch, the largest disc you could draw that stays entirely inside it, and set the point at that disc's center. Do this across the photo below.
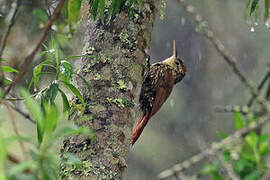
(28, 60)
(25, 115)
(5, 37)
(16, 130)
(213, 149)
(12, 158)
(230, 59)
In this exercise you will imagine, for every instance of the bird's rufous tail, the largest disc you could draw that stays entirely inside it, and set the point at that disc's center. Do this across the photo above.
(138, 129)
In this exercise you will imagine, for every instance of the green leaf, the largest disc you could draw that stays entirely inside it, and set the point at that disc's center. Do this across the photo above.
(21, 167)
(8, 69)
(243, 166)
(41, 15)
(222, 135)
(66, 71)
(264, 148)
(253, 6)
(36, 74)
(112, 8)
(209, 168)
(3, 156)
(264, 138)
(212, 169)
(74, 7)
(238, 120)
(35, 112)
(66, 106)
(101, 10)
(51, 117)
(26, 139)
(256, 174)
(75, 91)
(227, 155)
(95, 8)
(51, 93)
(6, 81)
(252, 139)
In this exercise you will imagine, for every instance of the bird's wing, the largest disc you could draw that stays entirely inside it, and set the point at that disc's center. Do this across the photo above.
(164, 88)
(163, 85)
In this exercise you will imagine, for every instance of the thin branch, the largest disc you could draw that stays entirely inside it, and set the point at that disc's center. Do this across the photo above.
(233, 108)
(228, 167)
(246, 108)
(230, 59)
(264, 80)
(16, 130)
(25, 115)
(5, 36)
(213, 149)
(12, 158)
(28, 60)
(22, 99)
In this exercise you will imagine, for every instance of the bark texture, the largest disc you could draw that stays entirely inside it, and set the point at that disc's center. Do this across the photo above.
(115, 73)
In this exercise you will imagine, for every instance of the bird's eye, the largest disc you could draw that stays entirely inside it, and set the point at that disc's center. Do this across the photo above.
(177, 63)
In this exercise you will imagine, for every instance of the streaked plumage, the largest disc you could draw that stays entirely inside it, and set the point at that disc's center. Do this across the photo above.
(156, 88)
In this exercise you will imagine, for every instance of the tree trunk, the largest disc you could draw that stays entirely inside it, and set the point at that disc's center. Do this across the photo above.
(114, 71)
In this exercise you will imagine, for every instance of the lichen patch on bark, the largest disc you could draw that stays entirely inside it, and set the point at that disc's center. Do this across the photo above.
(114, 69)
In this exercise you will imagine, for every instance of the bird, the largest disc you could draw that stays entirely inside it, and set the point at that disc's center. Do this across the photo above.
(156, 88)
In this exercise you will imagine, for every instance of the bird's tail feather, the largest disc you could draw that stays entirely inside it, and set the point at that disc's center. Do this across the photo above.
(138, 129)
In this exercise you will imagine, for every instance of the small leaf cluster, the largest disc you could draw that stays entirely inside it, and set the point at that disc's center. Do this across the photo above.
(247, 158)
(62, 71)
(42, 163)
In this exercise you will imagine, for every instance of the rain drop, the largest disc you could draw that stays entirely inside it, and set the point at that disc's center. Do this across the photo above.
(252, 29)
(267, 23)
(62, 69)
(183, 20)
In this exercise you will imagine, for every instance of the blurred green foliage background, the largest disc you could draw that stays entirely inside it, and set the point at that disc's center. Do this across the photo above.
(188, 121)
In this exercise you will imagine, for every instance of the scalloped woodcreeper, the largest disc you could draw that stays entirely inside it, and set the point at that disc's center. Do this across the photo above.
(156, 88)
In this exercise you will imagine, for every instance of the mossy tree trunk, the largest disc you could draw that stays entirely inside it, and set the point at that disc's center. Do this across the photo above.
(114, 70)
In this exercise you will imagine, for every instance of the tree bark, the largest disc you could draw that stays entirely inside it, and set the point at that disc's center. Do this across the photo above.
(114, 71)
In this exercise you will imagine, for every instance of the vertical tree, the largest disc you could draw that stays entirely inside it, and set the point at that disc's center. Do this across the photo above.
(114, 70)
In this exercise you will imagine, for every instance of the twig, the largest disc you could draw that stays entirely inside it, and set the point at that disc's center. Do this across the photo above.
(232, 108)
(230, 59)
(28, 60)
(12, 158)
(25, 115)
(214, 148)
(245, 108)
(22, 99)
(15, 128)
(264, 80)
(228, 167)
(267, 94)
(5, 37)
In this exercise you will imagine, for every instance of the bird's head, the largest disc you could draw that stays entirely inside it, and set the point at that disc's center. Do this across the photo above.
(176, 63)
